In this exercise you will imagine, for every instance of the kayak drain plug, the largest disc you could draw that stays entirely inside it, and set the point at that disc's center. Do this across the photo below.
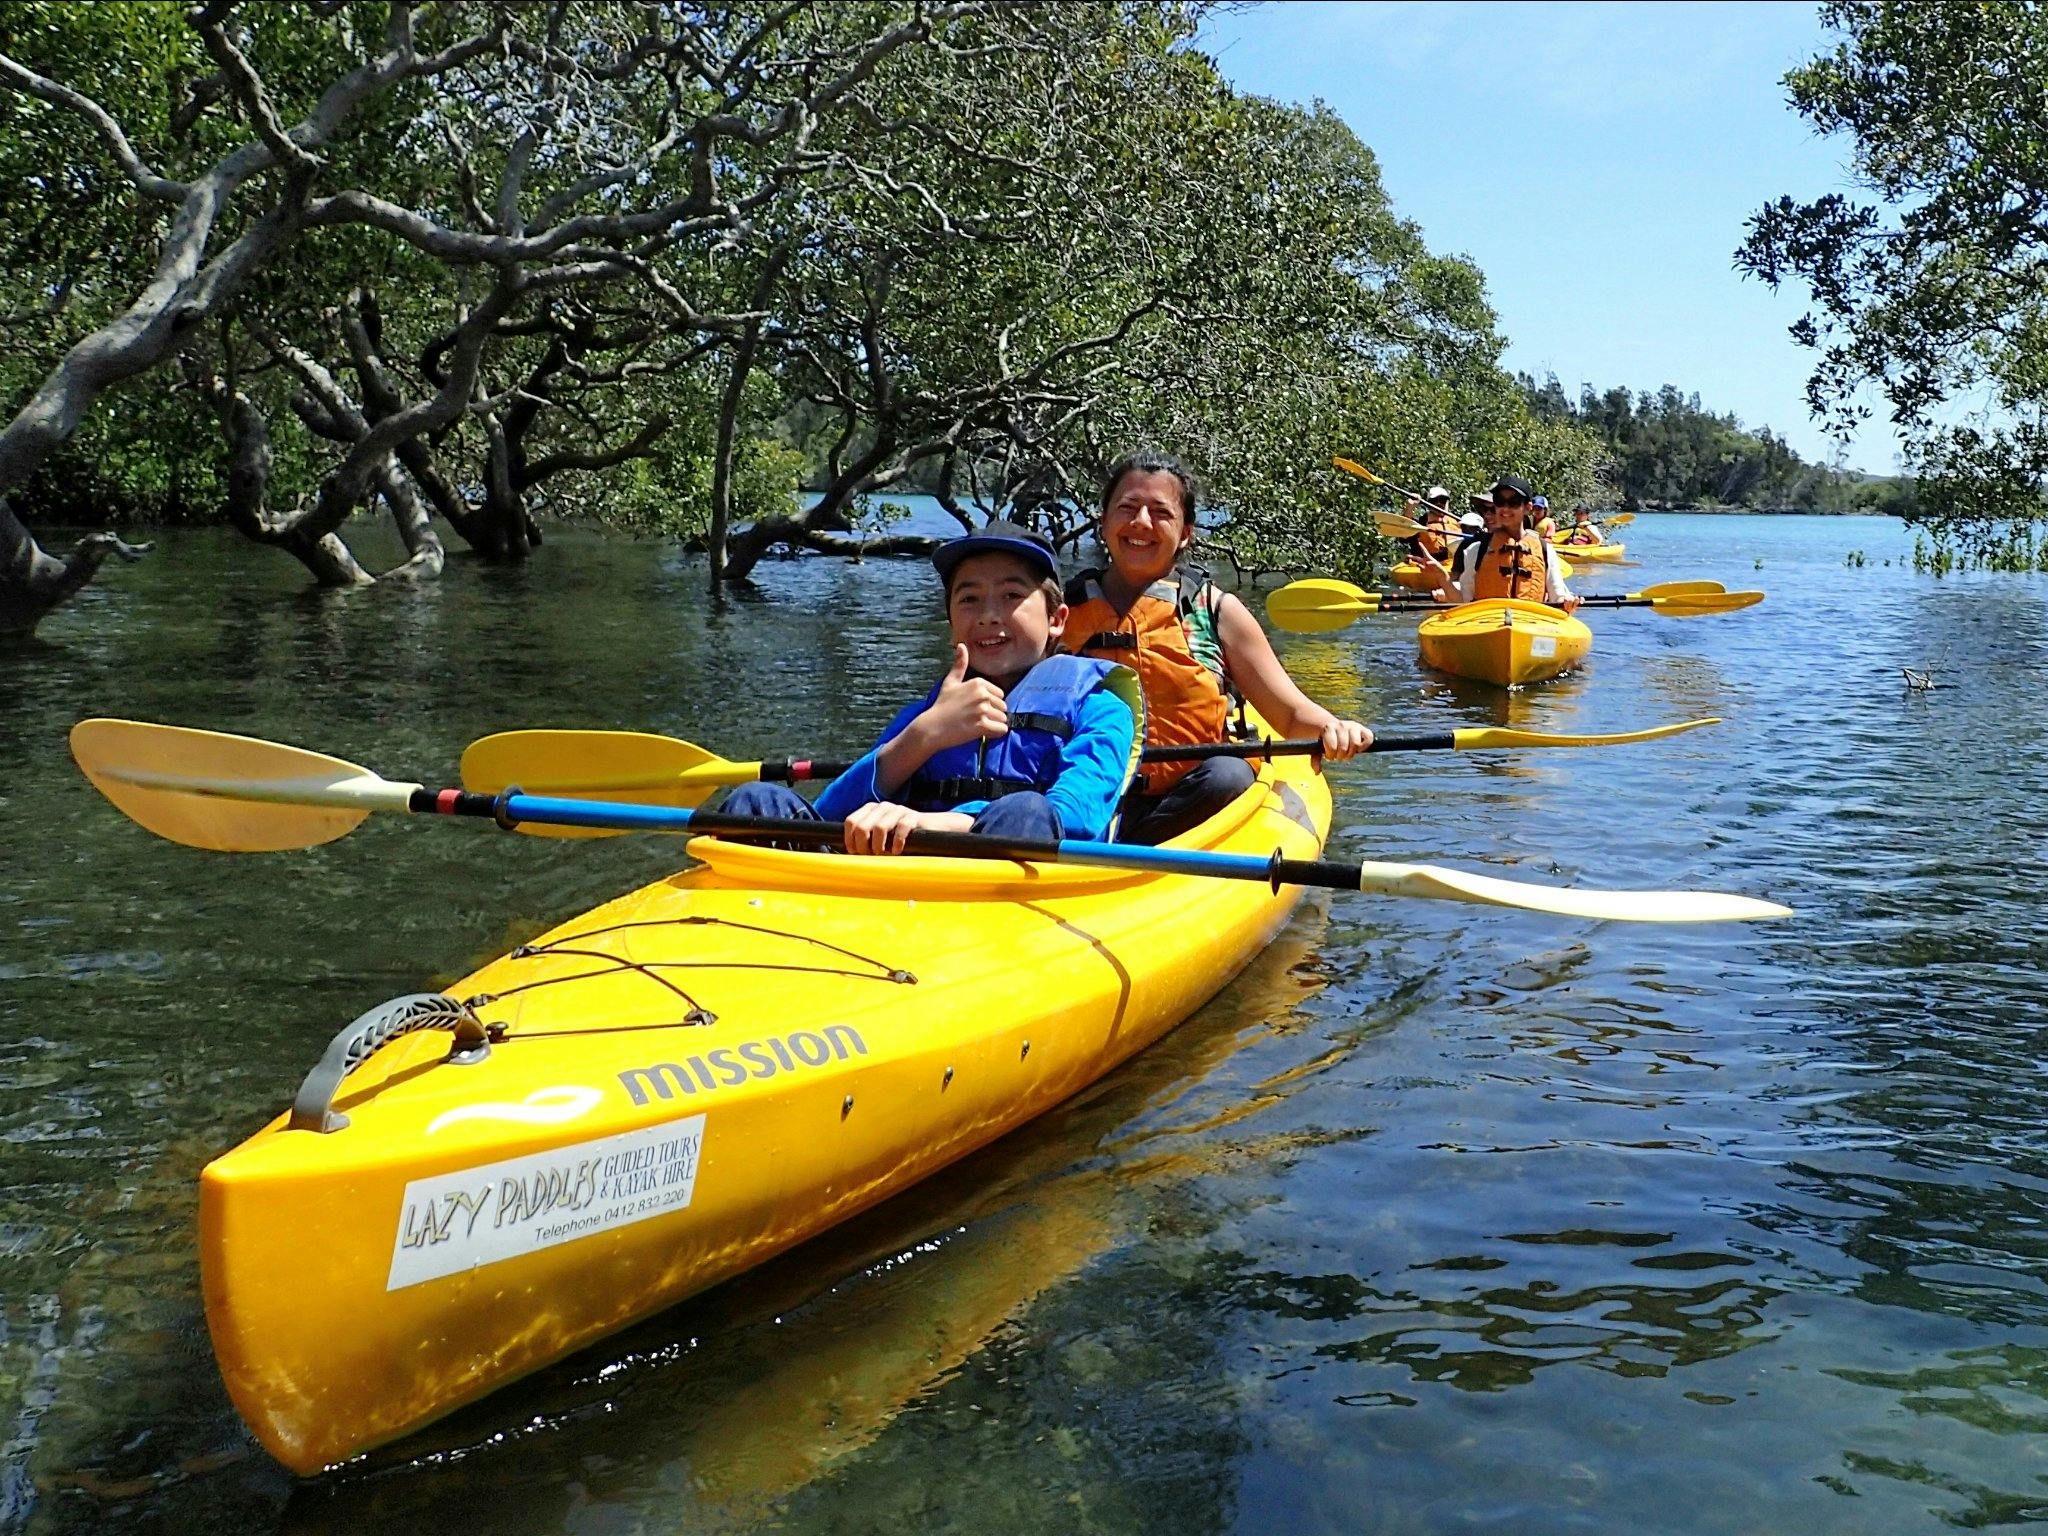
(846, 1108)
(947, 1082)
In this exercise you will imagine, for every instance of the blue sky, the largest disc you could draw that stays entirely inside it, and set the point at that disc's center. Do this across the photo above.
(1597, 162)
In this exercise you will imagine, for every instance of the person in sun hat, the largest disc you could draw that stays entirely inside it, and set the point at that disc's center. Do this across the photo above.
(1477, 505)
(1439, 528)
(1506, 559)
(1018, 739)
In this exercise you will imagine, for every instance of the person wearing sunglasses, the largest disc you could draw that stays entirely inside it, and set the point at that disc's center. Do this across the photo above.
(1507, 560)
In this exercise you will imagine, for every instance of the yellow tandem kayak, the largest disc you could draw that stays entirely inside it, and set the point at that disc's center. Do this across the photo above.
(1591, 553)
(669, 1089)
(1504, 642)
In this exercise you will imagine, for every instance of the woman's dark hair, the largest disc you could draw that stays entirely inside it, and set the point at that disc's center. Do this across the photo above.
(1150, 461)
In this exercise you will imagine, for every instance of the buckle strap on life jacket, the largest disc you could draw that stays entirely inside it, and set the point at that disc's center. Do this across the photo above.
(947, 793)
(1052, 725)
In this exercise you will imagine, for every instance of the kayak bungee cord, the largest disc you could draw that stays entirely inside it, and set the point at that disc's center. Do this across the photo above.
(313, 1106)
(699, 1014)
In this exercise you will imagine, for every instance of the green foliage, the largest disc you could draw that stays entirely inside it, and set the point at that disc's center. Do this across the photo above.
(1048, 235)
(1664, 449)
(1930, 296)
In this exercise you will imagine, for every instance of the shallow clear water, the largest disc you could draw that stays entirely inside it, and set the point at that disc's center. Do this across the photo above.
(1439, 1217)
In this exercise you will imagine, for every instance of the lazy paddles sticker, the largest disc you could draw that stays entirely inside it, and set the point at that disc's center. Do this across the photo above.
(497, 1211)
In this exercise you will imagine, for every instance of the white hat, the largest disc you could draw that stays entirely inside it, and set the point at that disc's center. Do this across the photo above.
(1472, 520)
(1438, 493)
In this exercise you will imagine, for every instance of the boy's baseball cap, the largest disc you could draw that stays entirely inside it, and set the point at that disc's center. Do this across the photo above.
(999, 537)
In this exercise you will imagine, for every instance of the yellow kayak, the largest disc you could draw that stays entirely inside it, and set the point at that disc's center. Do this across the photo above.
(669, 1089)
(1595, 553)
(1504, 642)
(1408, 574)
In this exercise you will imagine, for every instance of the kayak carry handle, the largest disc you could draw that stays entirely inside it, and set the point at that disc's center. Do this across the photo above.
(313, 1106)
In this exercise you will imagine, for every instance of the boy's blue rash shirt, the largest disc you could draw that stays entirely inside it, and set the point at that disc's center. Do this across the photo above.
(1094, 765)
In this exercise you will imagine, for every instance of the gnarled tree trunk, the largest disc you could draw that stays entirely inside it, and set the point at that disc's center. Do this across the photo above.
(33, 582)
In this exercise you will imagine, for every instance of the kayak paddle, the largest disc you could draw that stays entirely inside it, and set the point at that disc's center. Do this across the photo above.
(207, 789)
(1320, 604)
(665, 771)
(1353, 467)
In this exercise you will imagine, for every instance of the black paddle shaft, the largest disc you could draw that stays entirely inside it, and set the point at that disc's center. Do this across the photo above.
(791, 770)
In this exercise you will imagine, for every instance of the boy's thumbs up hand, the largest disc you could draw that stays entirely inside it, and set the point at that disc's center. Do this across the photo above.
(967, 708)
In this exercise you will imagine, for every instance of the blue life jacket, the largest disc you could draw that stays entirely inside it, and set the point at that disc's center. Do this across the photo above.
(1044, 710)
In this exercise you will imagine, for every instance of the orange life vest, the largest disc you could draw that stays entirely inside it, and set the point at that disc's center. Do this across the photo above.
(1169, 639)
(1432, 542)
(1522, 570)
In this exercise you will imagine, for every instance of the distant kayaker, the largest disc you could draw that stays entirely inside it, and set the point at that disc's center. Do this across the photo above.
(1439, 528)
(1583, 529)
(1540, 518)
(1506, 559)
(1017, 740)
(1193, 646)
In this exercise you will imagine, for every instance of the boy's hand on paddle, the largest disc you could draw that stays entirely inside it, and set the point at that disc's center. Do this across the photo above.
(881, 827)
(967, 708)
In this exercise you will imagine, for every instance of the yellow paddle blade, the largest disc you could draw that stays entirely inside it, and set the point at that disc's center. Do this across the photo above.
(621, 766)
(1622, 520)
(1616, 906)
(1394, 522)
(1680, 589)
(1318, 604)
(1706, 602)
(1493, 736)
(206, 789)
(1353, 467)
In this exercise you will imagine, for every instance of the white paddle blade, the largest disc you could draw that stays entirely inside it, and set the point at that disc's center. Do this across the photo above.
(207, 789)
(1609, 906)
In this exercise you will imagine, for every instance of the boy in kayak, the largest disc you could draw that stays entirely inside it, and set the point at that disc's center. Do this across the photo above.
(1017, 740)
(1506, 559)
(1583, 529)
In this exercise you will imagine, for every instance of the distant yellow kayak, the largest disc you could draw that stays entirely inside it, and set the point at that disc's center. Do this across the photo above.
(1504, 642)
(1592, 552)
(667, 1090)
(1410, 575)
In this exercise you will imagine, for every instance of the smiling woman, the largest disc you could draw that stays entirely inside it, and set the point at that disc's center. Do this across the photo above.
(1196, 649)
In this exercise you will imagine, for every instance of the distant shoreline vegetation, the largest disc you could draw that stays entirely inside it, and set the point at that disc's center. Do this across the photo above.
(1664, 451)
(1717, 510)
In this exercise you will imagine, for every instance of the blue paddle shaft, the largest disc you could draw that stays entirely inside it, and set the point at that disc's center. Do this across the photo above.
(513, 807)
